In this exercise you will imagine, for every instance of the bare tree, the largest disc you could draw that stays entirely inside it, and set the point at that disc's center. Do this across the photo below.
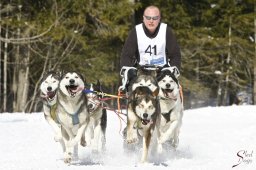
(15, 77)
(8, 7)
(254, 68)
(0, 58)
(228, 61)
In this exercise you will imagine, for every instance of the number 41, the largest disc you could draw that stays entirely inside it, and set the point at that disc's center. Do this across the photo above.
(150, 49)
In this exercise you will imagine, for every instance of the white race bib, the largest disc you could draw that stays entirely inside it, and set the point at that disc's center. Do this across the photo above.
(152, 50)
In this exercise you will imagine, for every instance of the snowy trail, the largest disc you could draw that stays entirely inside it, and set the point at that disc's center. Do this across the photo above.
(210, 139)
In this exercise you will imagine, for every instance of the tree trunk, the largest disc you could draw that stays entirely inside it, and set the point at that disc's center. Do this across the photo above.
(228, 61)
(15, 79)
(254, 71)
(0, 61)
(26, 85)
(5, 71)
(19, 80)
(33, 100)
(23, 82)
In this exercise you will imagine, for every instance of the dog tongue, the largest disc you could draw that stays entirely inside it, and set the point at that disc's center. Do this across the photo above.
(168, 93)
(75, 89)
(51, 94)
(145, 122)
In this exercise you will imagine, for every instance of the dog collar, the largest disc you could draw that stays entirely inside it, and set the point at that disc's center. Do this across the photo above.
(166, 98)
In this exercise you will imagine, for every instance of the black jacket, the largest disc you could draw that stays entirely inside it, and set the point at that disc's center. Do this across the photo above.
(130, 54)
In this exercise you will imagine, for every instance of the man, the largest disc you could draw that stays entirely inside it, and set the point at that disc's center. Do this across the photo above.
(151, 43)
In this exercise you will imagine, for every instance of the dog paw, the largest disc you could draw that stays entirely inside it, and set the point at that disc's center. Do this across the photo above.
(175, 143)
(132, 137)
(57, 137)
(67, 158)
(83, 143)
(133, 140)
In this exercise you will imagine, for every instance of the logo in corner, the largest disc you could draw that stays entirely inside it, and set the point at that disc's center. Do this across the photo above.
(244, 156)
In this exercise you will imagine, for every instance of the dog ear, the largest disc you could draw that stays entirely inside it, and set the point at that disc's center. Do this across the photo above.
(59, 73)
(173, 69)
(153, 73)
(98, 86)
(62, 73)
(136, 95)
(98, 83)
(176, 71)
(139, 72)
(82, 77)
(139, 91)
(155, 93)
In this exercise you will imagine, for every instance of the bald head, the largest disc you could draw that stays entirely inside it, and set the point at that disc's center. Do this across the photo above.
(151, 18)
(152, 8)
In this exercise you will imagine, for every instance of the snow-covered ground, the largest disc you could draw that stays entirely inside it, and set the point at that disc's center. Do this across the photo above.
(212, 138)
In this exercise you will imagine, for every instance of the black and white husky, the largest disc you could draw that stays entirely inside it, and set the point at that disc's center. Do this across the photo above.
(171, 105)
(143, 110)
(96, 131)
(72, 112)
(48, 87)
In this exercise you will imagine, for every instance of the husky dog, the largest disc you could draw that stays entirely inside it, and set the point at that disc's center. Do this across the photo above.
(171, 105)
(98, 119)
(143, 108)
(131, 79)
(72, 112)
(145, 78)
(48, 88)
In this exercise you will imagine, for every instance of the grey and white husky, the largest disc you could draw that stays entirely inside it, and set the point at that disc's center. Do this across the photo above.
(48, 87)
(146, 78)
(171, 105)
(143, 110)
(72, 112)
(96, 131)
(142, 76)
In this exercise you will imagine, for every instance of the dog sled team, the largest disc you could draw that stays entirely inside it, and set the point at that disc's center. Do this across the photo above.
(77, 116)
(154, 105)
(154, 98)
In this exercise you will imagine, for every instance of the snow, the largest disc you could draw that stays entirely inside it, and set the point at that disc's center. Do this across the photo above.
(211, 138)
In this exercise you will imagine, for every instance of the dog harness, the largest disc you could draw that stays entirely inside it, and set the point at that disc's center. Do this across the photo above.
(167, 115)
(75, 119)
(53, 112)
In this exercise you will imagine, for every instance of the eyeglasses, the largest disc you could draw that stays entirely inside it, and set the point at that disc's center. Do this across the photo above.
(149, 17)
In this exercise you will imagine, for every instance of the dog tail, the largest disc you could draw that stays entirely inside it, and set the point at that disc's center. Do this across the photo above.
(103, 123)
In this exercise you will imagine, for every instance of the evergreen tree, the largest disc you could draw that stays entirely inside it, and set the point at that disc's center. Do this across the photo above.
(202, 30)
(84, 36)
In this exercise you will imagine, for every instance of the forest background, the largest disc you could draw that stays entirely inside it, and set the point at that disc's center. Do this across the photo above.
(216, 37)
